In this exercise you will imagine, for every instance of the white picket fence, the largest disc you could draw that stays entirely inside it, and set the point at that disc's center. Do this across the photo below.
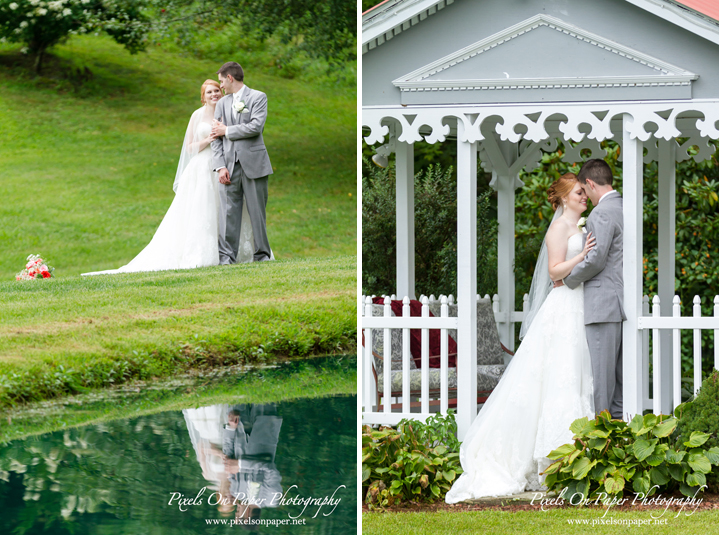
(650, 323)
(654, 323)
(386, 323)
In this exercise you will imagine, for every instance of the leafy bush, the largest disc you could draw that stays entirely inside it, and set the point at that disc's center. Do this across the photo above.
(435, 232)
(415, 461)
(285, 38)
(701, 415)
(608, 455)
(40, 24)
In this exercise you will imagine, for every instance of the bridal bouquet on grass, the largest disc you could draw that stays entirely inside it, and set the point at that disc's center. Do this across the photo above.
(36, 268)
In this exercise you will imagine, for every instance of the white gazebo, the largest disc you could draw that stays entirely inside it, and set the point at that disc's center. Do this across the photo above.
(506, 80)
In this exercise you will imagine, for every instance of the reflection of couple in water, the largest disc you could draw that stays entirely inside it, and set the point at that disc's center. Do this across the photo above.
(236, 447)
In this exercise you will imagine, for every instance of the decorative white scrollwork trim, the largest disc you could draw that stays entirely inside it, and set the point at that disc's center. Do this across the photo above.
(597, 121)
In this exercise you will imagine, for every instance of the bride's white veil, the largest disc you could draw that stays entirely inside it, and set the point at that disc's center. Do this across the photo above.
(190, 146)
(541, 283)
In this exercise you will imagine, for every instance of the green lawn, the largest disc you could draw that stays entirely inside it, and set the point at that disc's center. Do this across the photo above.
(554, 521)
(86, 168)
(66, 334)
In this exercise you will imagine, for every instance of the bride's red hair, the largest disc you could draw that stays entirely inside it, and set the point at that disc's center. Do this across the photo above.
(204, 86)
(561, 188)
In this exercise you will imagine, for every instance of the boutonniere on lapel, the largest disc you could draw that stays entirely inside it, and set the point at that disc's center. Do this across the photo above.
(580, 224)
(239, 106)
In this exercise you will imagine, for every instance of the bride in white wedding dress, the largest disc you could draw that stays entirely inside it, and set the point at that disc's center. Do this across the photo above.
(548, 383)
(188, 234)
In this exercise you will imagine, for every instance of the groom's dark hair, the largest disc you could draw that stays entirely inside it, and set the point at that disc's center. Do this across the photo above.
(598, 171)
(234, 69)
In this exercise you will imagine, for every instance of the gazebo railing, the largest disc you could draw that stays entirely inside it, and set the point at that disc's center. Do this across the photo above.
(387, 323)
(651, 325)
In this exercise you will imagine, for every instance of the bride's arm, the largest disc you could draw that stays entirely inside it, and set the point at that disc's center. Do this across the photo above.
(197, 147)
(557, 237)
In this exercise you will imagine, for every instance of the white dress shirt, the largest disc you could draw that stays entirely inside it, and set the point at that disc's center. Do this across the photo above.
(607, 193)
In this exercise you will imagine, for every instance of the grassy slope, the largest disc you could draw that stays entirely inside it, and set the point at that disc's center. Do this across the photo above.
(108, 329)
(87, 169)
(538, 522)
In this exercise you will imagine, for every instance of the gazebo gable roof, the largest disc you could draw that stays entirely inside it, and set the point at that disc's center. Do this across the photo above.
(506, 67)
(600, 61)
(389, 18)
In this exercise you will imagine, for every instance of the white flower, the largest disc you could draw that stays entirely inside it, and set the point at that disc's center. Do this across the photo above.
(34, 2)
(582, 221)
(23, 24)
(67, 11)
(238, 105)
(13, 6)
(24, 50)
(41, 11)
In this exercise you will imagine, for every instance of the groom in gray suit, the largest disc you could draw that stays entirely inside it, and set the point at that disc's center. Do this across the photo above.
(240, 157)
(601, 273)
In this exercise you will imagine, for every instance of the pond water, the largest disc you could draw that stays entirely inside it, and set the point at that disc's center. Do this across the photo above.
(287, 467)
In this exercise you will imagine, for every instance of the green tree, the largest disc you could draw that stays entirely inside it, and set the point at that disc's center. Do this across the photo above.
(40, 24)
(326, 30)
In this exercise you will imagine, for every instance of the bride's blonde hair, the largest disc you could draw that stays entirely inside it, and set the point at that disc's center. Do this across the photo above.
(561, 188)
(204, 86)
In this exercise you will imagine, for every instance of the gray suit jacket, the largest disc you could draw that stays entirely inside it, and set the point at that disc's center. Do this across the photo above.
(256, 454)
(601, 269)
(243, 140)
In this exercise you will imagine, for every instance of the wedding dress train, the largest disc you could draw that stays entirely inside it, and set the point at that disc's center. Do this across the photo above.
(546, 386)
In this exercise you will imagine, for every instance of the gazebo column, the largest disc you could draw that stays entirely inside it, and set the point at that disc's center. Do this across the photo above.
(405, 219)
(633, 177)
(667, 254)
(505, 244)
(466, 282)
(503, 156)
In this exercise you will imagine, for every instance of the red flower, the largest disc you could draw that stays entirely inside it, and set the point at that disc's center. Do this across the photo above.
(46, 275)
(162, 11)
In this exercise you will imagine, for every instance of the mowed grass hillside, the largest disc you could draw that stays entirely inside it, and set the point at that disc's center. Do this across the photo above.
(88, 155)
(63, 336)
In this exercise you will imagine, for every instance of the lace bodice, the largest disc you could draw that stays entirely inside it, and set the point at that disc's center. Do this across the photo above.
(574, 245)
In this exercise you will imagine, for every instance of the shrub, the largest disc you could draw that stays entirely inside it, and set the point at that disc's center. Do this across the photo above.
(40, 24)
(608, 456)
(416, 461)
(701, 415)
(435, 233)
